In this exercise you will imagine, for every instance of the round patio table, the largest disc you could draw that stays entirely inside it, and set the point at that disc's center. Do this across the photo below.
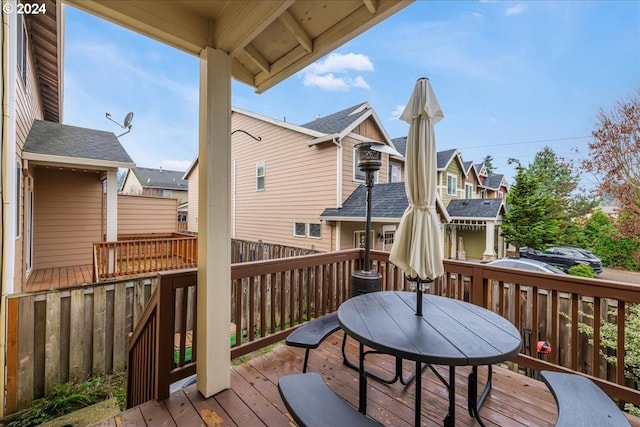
(450, 332)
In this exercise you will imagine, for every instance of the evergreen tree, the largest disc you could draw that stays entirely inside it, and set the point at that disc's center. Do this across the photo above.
(531, 219)
(488, 163)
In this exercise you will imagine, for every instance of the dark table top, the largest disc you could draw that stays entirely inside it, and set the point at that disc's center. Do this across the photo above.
(450, 332)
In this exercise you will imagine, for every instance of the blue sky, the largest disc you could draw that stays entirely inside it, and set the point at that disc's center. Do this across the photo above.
(511, 77)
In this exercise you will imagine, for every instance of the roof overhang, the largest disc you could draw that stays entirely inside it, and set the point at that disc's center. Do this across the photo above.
(74, 162)
(267, 40)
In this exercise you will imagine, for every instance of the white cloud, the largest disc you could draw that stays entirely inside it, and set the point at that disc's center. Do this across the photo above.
(516, 10)
(335, 72)
(338, 63)
(395, 114)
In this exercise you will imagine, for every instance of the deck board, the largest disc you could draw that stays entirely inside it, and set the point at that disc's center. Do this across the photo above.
(253, 399)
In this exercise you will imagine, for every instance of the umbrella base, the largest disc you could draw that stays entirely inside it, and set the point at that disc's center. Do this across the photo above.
(365, 281)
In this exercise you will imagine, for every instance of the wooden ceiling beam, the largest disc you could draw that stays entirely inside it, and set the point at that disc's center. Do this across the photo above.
(371, 6)
(296, 30)
(257, 58)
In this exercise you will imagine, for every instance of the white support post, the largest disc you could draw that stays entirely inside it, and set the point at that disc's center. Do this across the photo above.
(214, 212)
(112, 214)
(490, 237)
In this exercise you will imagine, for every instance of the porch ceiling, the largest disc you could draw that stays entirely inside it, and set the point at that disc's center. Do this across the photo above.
(268, 40)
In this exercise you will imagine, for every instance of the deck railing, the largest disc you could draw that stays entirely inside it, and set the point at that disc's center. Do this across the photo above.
(139, 255)
(270, 298)
(162, 345)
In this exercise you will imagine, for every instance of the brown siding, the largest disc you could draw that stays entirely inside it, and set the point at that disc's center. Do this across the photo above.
(300, 182)
(67, 217)
(143, 215)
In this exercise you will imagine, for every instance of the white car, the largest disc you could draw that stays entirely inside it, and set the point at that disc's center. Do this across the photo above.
(526, 264)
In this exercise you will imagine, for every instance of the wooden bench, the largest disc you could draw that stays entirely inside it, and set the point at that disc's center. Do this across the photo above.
(312, 403)
(581, 403)
(311, 334)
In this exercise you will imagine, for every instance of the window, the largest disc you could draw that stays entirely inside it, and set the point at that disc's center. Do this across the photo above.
(394, 173)
(358, 175)
(260, 176)
(22, 50)
(452, 185)
(468, 191)
(299, 229)
(314, 230)
(500, 194)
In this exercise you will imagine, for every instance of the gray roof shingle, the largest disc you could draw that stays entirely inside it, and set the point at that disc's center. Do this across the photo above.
(387, 201)
(474, 208)
(56, 139)
(337, 122)
(160, 178)
(401, 145)
(493, 181)
(444, 157)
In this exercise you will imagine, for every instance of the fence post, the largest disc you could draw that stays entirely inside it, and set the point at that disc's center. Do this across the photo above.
(164, 336)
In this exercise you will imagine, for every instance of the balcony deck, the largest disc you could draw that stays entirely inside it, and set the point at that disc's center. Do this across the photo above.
(46, 279)
(253, 399)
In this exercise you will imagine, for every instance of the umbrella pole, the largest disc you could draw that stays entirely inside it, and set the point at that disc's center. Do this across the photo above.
(419, 292)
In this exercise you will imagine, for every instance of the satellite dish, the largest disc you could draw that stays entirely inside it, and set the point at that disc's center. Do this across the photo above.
(127, 122)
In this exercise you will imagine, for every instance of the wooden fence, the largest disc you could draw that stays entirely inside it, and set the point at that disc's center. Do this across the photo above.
(56, 336)
(246, 251)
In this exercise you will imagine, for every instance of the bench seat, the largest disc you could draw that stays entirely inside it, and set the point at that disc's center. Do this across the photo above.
(312, 403)
(581, 403)
(310, 335)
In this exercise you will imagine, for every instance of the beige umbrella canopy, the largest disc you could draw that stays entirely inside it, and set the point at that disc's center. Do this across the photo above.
(417, 247)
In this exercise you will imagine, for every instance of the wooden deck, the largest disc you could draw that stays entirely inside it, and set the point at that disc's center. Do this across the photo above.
(58, 278)
(253, 399)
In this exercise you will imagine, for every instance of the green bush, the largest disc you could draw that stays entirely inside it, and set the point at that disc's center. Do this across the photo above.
(581, 270)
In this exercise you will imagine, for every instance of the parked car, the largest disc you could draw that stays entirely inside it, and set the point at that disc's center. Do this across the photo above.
(564, 257)
(526, 264)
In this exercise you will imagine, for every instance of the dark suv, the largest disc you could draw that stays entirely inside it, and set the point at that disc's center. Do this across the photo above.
(564, 257)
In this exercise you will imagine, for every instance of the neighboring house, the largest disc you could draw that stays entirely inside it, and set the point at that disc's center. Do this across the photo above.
(155, 182)
(388, 203)
(281, 184)
(493, 187)
(159, 183)
(55, 176)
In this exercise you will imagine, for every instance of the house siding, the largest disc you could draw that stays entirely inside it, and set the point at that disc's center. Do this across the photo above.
(145, 215)
(131, 185)
(300, 182)
(452, 169)
(67, 217)
(192, 217)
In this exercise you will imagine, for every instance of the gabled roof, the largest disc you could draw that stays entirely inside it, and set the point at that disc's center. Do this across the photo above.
(160, 178)
(388, 203)
(50, 142)
(340, 124)
(475, 208)
(494, 182)
(444, 158)
(401, 145)
(481, 169)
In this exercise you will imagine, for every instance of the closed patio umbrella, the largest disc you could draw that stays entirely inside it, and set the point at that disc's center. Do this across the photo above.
(417, 247)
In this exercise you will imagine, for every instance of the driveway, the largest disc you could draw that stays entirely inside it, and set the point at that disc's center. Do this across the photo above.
(620, 276)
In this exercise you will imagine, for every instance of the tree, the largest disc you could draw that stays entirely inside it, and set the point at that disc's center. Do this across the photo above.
(559, 179)
(614, 156)
(531, 216)
(488, 163)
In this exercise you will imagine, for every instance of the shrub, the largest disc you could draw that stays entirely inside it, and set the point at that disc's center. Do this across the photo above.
(581, 270)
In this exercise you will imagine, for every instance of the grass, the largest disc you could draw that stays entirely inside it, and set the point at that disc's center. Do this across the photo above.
(69, 397)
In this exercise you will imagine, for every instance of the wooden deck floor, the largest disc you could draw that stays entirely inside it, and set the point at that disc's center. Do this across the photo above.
(58, 278)
(253, 399)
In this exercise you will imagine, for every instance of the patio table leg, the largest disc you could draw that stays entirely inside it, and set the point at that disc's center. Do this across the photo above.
(418, 393)
(450, 419)
(362, 375)
(473, 402)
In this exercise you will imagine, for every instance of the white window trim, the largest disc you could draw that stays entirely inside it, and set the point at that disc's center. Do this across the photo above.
(455, 190)
(19, 179)
(467, 185)
(294, 229)
(263, 176)
(309, 230)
